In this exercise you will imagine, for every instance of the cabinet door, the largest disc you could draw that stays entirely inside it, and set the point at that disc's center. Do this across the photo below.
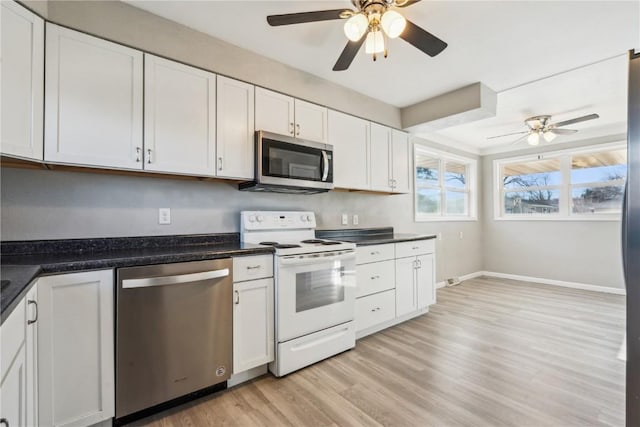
(379, 161)
(31, 352)
(406, 298)
(75, 348)
(274, 112)
(93, 101)
(253, 342)
(311, 121)
(350, 139)
(425, 281)
(22, 77)
(235, 127)
(13, 368)
(402, 174)
(179, 118)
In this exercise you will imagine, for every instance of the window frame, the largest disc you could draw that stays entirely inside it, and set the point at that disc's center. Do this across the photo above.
(565, 187)
(471, 185)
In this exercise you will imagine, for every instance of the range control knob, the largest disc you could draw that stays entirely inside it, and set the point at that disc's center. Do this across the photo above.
(260, 218)
(308, 217)
(252, 218)
(303, 218)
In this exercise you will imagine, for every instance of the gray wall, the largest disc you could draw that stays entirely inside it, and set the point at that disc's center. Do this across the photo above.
(573, 251)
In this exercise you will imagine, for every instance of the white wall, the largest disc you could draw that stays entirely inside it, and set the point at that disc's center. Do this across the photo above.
(587, 252)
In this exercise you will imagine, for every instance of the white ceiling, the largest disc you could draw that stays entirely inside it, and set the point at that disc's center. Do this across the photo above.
(507, 45)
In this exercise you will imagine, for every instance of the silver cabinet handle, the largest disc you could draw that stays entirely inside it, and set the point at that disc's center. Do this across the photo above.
(237, 301)
(291, 128)
(3, 421)
(375, 309)
(35, 319)
(174, 280)
(374, 253)
(138, 150)
(297, 129)
(415, 248)
(253, 267)
(149, 155)
(219, 163)
(419, 264)
(375, 277)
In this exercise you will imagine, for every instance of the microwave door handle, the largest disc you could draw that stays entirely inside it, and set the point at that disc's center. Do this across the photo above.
(325, 165)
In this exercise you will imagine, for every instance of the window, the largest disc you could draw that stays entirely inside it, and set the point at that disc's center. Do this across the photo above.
(577, 184)
(444, 186)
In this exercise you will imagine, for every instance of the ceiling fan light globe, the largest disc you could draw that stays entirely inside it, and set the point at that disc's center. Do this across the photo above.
(374, 43)
(549, 136)
(355, 27)
(533, 138)
(393, 23)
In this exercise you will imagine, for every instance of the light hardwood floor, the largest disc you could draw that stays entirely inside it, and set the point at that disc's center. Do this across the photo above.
(491, 352)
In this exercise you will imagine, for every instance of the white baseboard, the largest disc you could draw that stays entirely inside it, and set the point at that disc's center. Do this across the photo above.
(574, 285)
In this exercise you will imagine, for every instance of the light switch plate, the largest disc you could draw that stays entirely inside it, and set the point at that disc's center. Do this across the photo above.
(355, 219)
(345, 219)
(164, 216)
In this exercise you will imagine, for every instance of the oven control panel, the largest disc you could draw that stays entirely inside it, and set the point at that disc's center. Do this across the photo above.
(277, 220)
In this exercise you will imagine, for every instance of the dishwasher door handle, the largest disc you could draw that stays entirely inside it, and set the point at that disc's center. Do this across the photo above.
(174, 280)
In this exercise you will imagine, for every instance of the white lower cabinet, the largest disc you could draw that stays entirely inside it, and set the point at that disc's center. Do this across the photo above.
(415, 276)
(253, 316)
(18, 370)
(76, 349)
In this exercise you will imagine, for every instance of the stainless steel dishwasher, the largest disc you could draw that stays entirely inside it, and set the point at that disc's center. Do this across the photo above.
(174, 330)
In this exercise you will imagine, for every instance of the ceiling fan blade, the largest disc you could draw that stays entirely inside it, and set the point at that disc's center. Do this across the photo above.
(404, 3)
(508, 134)
(422, 39)
(349, 52)
(563, 131)
(572, 121)
(519, 139)
(303, 17)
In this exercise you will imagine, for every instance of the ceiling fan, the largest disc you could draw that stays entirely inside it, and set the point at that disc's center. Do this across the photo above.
(541, 126)
(370, 23)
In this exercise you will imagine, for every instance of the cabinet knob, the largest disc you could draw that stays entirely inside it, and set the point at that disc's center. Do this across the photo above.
(35, 319)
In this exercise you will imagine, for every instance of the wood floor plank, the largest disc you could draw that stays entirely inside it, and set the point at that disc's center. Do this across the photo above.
(491, 352)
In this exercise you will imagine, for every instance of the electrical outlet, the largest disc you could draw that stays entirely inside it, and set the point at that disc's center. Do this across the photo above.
(439, 236)
(355, 219)
(461, 235)
(164, 216)
(345, 219)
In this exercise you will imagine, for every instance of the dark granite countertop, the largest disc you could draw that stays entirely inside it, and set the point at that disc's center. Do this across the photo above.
(23, 261)
(370, 236)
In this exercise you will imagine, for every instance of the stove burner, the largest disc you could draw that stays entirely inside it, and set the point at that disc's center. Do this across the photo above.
(269, 243)
(328, 242)
(312, 241)
(279, 246)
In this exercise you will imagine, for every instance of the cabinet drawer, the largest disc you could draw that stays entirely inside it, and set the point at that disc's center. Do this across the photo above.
(252, 267)
(416, 247)
(375, 309)
(374, 253)
(12, 336)
(375, 277)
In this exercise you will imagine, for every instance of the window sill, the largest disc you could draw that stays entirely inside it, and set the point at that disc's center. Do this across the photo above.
(614, 218)
(445, 219)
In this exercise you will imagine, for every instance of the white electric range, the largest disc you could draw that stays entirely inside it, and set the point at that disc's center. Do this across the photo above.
(315, 287)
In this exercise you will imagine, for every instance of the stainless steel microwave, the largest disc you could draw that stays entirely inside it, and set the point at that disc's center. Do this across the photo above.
(284, 164)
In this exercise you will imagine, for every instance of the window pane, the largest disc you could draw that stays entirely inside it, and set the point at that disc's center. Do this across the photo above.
(427, 170)
(455, 175)
(428, 201)
(597, 200)
(531, 202)
(535, 173)
(599, 167)
(456, 203)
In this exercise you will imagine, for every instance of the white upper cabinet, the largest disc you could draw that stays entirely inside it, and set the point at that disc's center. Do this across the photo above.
(401, 173)
(179, 118)
(285, 115)
(379, 160)
(93, 101)
(349, 136)
(311, 121)
(22, 77)
(235, 127)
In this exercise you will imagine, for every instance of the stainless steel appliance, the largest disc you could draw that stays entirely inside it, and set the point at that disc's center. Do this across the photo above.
(284, 164)
(631, 242)
(315, 287)
(173, 331)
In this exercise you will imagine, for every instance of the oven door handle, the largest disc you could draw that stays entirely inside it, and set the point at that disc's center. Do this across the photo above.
(174, 280)
(325, 166)
(307, 259)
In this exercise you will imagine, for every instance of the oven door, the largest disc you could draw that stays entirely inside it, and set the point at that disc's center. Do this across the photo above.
(283, 160)
(314, 292)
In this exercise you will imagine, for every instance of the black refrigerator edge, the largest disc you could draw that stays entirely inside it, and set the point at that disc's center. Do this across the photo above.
(631, 243)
